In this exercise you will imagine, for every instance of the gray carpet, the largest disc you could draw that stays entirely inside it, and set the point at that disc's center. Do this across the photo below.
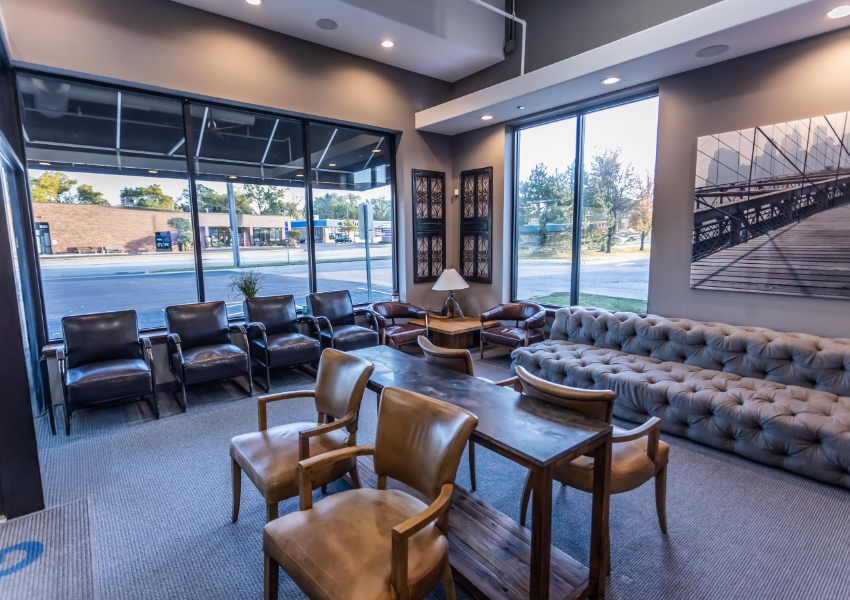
(159, 499)
(48, 555)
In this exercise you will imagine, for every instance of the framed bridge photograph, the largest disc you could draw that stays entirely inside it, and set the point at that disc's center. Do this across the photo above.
(772, 209)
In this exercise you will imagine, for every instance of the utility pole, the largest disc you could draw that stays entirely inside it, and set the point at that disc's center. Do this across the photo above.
(234, 226)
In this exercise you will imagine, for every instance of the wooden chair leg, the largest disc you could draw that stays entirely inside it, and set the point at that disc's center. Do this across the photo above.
(355, 478)
(271, 578)
(526, 496)
(271, 512)
(481, 343)
(661, 498)
(472, 463)
(324, 489)
(448, 582)
(236, 474)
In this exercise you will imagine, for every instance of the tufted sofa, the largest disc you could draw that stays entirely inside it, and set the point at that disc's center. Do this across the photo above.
(782, 399)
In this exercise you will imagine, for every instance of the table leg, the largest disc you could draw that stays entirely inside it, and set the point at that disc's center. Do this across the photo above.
(541, 533)
(600, 555)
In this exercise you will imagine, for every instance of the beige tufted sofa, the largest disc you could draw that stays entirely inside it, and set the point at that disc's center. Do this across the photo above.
(782, 399)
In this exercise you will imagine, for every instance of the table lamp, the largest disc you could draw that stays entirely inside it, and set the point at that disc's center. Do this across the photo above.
(451, 281)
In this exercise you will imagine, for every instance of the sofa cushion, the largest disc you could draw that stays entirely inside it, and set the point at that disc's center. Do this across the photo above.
(803, 430)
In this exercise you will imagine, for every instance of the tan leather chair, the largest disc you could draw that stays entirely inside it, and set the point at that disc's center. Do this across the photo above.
(637, 455)
(270, 456)
(368, 544)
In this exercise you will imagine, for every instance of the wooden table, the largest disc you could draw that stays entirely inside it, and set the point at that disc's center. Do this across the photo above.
(538, 435)
(456, 332)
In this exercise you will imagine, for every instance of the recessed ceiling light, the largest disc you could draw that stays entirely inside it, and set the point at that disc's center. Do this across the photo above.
(388, 43)
(231, 176)
(46, 164)
(331, 164)
(151, 171)
(611, 80)
(254, 2)
(326, 24)
(521, 107)
(299, 175)
(375, 150)
(839, 11)
(710, 51)
(486, 117)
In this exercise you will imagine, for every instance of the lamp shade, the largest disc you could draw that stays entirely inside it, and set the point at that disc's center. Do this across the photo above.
(449, 281)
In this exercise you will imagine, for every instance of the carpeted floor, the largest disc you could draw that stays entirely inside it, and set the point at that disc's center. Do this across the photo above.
(159, 502)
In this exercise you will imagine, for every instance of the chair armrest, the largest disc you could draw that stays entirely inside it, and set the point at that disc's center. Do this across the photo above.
(147, 348)
(327, 321)
(369, 313)
(513, 382)
(306, 468)
(241, 329)
(403, 532)
(650, 429)
(174, 341)
(310, 319)
(255, 327)
(494, 314)
(304, 436)
(262, 401)
(537, 321)
(63, 365)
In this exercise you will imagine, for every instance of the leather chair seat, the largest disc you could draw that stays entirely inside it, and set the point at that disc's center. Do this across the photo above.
(206, 363)
(288, 348)
(630, 466)
(403, 333)
(340, 549)
(270, 458)
(112, 379)
(350, 337)
(511, 336)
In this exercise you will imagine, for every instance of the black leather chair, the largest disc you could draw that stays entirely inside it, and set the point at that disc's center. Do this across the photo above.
(200, 349)
(274, 338)
(336, 313)
(105, 362)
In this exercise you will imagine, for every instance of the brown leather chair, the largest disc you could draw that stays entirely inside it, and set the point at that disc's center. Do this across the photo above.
(273, 335)
(104, 362)
(530, 319)
(395, 334)
(377, 544)
(336, 313)
(637, 455)
(200, 348)
(270, 456)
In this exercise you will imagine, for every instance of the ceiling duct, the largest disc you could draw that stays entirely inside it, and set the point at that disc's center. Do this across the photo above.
(51, 97)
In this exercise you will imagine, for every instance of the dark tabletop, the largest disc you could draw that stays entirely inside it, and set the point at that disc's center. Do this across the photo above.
(535, 430)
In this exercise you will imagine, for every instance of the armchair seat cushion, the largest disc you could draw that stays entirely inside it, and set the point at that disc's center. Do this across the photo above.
(270, 458)
(341, 548)
(403, 333)
(630, 466)
(109, 380)
(287, 349)
(511, 336)
(207, 363)
(350, 337)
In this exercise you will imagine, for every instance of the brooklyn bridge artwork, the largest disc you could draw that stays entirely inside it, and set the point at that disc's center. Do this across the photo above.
(772, 209)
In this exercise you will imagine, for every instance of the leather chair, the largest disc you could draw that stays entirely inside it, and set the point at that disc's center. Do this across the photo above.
(377, 544)
(530, 319)
(200, 347)
(105, 362)
(637, 455)
(270, 456)
(336, 313)
(273, 335)
(395, 334)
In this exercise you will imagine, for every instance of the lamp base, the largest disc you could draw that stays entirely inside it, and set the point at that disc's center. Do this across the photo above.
(451, 306)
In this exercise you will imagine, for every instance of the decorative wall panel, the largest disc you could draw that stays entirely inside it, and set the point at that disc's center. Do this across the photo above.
(429, 225)
(476, 222)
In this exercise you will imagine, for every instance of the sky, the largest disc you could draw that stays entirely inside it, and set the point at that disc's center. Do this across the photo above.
(631, 127)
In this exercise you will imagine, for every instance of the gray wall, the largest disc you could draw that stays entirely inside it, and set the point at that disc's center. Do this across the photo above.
(165, 45)
(560, 29)
(804, 79)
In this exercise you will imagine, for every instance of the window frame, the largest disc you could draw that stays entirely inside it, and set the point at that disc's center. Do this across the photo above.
(562, 114)
(391, 138)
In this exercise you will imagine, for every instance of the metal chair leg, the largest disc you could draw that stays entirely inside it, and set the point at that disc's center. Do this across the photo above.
(67, 420)
(51, 417)
(236, 476)
(183, 402)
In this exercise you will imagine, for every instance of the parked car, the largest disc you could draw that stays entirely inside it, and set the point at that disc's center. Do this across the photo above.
(342, 239)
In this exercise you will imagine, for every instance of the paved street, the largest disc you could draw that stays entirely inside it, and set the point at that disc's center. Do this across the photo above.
(620, 276)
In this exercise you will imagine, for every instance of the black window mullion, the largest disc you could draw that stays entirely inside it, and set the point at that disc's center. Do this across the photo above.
(197, 247)
(308, 206)
(578, 184)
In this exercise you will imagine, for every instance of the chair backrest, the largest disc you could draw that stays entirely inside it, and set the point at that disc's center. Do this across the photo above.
(336, 306)
(516, 311)
(396, 310)
(593, 404)
(340, 382)
(202, 324)
(277, 313)
(419, 440)
(101, 337)
(459, 360)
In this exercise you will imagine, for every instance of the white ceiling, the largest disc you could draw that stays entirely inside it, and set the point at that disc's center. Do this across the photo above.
(745, 25)
(446, 39)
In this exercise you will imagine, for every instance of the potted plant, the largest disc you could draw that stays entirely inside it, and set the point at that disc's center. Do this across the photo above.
(247, 282)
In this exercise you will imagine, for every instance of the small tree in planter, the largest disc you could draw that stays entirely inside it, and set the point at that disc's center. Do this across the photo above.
(247, 282)
(294, 236)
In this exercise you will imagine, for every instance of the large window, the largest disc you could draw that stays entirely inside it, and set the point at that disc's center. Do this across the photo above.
(584, 208)
(129, 196)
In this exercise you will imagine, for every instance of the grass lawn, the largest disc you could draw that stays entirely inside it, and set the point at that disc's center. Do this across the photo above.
(607, 302)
